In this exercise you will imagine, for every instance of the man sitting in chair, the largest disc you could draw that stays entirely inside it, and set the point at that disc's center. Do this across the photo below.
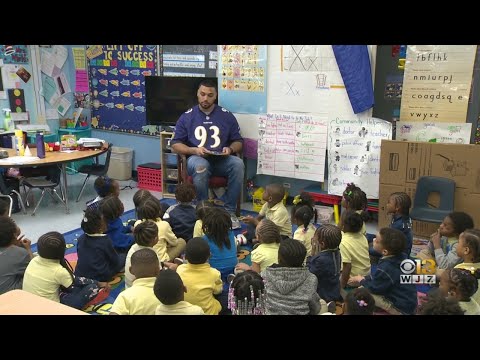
(209, 135)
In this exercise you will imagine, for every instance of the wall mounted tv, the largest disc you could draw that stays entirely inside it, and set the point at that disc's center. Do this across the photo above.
(168, 97)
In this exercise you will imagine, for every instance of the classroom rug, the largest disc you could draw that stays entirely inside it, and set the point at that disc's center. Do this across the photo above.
(118, 283)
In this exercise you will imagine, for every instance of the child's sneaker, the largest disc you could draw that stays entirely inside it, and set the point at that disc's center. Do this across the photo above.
(103, 293)
(178, 261)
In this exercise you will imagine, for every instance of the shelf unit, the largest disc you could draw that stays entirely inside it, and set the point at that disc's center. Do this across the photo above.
(169, 166)
(79, 133)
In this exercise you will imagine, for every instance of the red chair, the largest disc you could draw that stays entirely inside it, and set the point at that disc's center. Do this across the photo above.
(213, 183)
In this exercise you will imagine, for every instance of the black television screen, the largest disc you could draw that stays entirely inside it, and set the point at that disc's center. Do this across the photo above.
(168, 97)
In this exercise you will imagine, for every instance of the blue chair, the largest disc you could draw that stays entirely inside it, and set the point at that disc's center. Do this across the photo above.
(421, 210)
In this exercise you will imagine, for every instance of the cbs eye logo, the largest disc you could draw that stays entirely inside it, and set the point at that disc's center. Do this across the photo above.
(420, 267)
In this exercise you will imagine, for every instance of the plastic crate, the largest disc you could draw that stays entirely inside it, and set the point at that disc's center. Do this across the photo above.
(149, 179)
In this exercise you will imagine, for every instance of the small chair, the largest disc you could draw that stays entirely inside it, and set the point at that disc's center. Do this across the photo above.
(213, 183)
(95, 169)
(10, 202)
(49, 182)
(8, 191)
(421, 210)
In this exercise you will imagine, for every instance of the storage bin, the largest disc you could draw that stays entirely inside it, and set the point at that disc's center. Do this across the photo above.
(172, 174)
(171, 188)
(120, 163)
(149, 178)
(171, 159)
(324, 214)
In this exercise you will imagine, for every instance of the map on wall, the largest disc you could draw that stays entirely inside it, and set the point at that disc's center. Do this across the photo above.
(117, 86)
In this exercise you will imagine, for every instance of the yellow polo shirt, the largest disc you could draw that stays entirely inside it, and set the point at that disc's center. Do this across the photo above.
(354, 250)
(265, 255)
(202, 282)
(138, 299)
(279, 215)
(165, 237)
(43, 277)
(197, 229)
(180, 308)
(305, 237)
(469, 266)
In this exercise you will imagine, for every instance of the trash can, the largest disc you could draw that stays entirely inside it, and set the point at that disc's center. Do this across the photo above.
(120, 167)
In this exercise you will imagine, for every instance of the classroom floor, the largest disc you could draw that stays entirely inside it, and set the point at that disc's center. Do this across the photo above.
(51, 216)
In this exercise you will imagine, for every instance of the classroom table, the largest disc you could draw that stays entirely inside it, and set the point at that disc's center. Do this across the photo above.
(19, 302)
(55, 157)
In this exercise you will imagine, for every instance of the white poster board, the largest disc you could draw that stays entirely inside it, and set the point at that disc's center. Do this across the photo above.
(292, 145)
(354, 153)
(455, 133)
(437, 81)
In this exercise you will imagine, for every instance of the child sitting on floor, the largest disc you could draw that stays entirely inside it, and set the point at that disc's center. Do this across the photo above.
(291, 289)
(50, 276)
(266, 252)
(201, 209)
(182, 216)
(246, 294)
(146, 236)
(273, 210)
(303, 212)
(468, 249)
(398, 205)
(443, 243)
(201, 280)
(356, 200)
(325, 262)
(97, 258)
(168, 246)
(437, 304)
(389, 293)
(121, 235)
(139, 299)
(104, 186)
(169, 289)
(461, 284)
(15, 254)
(359, 302)
(353, 248)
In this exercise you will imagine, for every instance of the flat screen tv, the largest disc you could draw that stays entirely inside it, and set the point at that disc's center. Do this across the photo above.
(168, 97)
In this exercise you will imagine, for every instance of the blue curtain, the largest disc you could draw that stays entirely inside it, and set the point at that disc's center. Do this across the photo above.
(354, 64)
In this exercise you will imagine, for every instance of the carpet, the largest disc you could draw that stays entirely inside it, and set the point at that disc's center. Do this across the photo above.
(118, 283)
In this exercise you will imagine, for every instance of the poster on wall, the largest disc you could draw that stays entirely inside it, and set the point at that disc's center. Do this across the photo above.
(117, 82)
(14, 54)
(189, 60)
(292, 145)
(453, 133)
(437, 83)
(354, 153)
(242, 78)
(308, 76)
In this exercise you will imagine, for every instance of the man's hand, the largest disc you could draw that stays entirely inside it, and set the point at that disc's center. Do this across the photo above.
(200, 151)
(227, 150)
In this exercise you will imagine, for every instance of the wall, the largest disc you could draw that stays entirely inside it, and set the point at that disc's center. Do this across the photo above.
(146, 148)
(28, 92)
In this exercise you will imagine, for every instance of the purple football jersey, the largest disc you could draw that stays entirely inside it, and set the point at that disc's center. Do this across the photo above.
(213, 131)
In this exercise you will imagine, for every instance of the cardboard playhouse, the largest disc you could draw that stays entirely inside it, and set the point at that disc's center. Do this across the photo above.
(402, 163)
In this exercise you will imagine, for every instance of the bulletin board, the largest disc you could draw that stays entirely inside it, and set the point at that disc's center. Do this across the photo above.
(117, 85)
(188, 60)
